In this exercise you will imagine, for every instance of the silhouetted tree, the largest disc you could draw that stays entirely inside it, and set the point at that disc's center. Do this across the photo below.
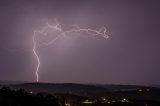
(22, 98)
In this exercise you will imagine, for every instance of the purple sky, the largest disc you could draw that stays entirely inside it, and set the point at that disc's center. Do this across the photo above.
(130, 56)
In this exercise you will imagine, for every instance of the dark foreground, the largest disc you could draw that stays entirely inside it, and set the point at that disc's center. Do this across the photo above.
(21, 97)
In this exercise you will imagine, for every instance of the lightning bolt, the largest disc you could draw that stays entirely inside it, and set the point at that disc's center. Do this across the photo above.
(48, 28)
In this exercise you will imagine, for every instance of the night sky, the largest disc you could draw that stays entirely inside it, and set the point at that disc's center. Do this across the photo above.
(131, 55)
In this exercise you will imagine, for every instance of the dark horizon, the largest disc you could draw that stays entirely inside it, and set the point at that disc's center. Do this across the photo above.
(14, 82)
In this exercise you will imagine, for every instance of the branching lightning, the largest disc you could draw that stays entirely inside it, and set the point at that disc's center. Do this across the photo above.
(48, 28)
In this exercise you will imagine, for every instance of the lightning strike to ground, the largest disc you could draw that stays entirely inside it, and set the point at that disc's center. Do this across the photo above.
(49, 28)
